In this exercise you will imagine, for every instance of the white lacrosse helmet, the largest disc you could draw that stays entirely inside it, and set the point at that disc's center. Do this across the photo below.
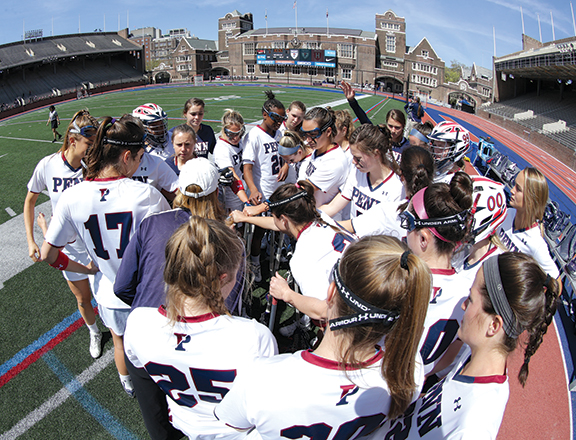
(489, 207)
(155, 121)
(449, 142)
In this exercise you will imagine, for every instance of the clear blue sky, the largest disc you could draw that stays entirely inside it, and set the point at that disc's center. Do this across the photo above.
(458, 30)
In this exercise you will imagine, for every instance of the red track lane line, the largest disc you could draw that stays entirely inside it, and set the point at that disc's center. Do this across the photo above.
(13, 372)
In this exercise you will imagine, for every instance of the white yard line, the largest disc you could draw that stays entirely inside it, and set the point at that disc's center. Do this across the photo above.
(59, 398)
(14, 256)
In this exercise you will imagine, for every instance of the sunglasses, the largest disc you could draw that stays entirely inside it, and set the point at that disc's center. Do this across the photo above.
(275, 116)
(233, 134)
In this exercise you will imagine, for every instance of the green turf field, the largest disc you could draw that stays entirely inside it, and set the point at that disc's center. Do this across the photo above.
(64, 393)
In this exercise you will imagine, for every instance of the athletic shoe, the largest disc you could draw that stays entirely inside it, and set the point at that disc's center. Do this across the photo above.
(95, 345)
(59, 136)
(54, 140)
(257, 272)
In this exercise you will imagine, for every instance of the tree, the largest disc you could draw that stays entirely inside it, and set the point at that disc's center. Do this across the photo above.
(454, 72)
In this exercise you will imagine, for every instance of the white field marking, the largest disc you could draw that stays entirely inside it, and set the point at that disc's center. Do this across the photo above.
(4, 155)
(45, 192)
(59, 398)
(24, 139)
(10, 211)
(14, 256)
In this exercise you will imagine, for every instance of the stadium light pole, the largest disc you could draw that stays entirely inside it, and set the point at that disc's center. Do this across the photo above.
(573, 22)
(539, 28)
(553, 33)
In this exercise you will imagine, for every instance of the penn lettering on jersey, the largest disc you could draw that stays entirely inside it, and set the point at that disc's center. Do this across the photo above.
(310, 169)
(143, 179)
(63, 183)
(507, 241)
(270, 147)
(362, 200)
(429, 416)
(201, 148)
(237, 158)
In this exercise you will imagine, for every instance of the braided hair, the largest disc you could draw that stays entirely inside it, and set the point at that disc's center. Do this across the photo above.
(197, 254)
(532, 295)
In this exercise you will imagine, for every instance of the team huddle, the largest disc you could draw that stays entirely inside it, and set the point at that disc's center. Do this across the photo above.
(418, 276)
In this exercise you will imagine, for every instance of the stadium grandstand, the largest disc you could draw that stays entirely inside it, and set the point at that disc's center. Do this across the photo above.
(39, 72)
(535, 96)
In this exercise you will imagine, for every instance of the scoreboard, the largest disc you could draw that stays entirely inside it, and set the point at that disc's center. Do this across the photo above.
(296, 57)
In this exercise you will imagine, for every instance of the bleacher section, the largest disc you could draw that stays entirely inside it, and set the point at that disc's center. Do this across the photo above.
(547, 109)
(56, 66)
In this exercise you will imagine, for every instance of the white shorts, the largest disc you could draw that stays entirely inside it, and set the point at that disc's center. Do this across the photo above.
(114, 319)
(76, 252)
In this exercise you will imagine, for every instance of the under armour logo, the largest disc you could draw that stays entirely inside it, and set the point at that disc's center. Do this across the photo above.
(103, 193)
(143, 168)
(457, 404)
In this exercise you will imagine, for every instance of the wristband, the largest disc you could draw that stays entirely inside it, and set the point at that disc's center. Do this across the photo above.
(61, 262)
(237, 186)
(247, 204)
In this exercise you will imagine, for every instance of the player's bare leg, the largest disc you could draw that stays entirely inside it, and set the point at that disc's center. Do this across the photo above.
(83, 294)
(121, 363)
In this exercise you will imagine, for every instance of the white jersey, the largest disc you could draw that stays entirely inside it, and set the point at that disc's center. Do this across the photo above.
(227, 155)
(104, 213)
(307, 396)
(381, 219)
(261, 150)
(327, 172)
(444, 315)
(163, 152)
(528, 241)
(318, 247)
(363, 196)
(156, 172)
(195, 361)
(457, 407)
(55, 174)
(469, 271)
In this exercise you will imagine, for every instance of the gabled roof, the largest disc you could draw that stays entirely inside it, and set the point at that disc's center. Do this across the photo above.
(432, 55)
(482, 72)
(466, 71)
(198, 44)
(63, 46)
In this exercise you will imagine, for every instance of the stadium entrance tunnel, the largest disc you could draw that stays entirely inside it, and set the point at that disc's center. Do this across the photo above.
(162, 77)
(462, 101)
(219, 72)
(390, 84)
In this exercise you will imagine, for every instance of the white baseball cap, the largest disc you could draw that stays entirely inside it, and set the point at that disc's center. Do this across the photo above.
(201, 172)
